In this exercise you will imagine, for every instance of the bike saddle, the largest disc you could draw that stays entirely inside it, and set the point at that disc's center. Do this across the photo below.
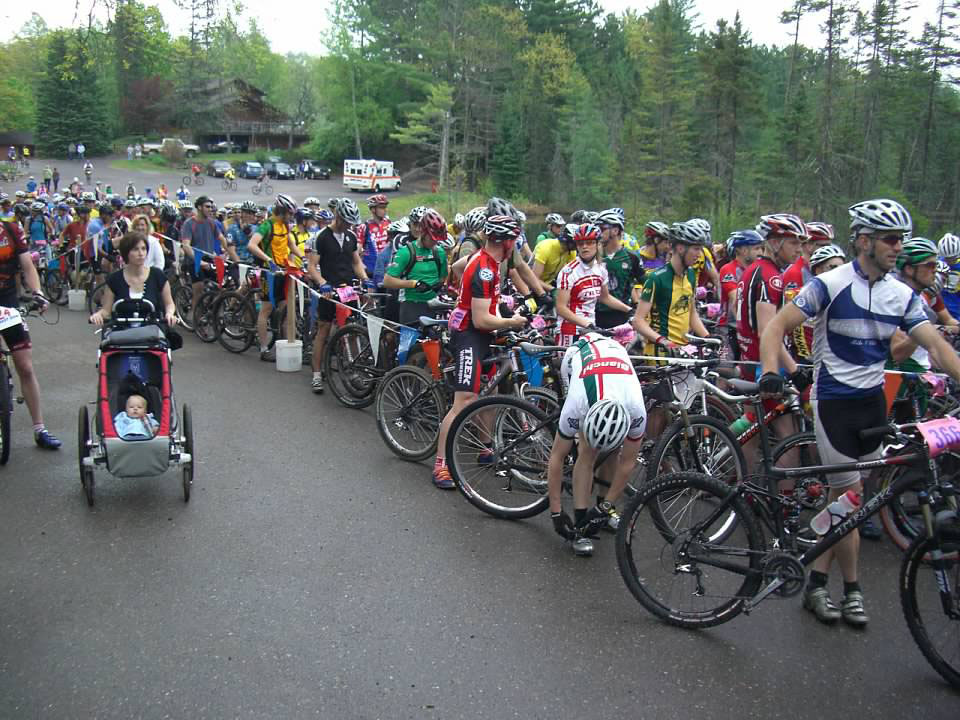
(427, 321)
(438, 304)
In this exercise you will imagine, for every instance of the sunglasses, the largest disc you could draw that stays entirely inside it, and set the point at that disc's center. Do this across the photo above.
(890, 239)
(927, 265)
(586, 242)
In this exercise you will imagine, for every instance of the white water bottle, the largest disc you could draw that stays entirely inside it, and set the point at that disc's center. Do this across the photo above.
(835, 512)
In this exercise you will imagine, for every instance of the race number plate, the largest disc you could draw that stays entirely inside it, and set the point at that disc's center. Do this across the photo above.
(9, 317)
(347, 294)
(538, 323)
(941, 435)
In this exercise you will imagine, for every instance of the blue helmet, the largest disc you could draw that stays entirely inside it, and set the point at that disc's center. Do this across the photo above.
(744, 238)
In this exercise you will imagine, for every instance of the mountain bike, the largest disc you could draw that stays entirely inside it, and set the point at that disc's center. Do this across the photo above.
(9, 317)
(260, 186)
(684, 561)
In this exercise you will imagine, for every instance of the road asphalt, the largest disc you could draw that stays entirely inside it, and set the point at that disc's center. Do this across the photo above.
(313, 574)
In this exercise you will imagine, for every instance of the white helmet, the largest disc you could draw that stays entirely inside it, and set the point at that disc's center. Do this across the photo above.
(606, 424)
(949, 246)
(880, 215)
(822, 254)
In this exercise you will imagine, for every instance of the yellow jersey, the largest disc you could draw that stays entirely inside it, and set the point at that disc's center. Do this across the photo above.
(553, 255)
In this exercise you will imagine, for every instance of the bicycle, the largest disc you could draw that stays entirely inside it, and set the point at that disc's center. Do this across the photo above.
(686, 569)
(262, 185)
(228, 184)
(411, 401)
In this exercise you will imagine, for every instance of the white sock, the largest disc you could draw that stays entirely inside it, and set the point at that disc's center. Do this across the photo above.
(317, 375)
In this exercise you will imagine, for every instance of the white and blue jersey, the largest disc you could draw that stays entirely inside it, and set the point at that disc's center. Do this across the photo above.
(951, 288)
(853, 324)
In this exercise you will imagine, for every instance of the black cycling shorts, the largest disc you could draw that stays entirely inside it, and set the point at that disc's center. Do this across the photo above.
(838, 422)
(18, 336)
(470, 348)
(327, 310)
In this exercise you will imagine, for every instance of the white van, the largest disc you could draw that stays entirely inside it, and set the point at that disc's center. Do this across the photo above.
(370, 175)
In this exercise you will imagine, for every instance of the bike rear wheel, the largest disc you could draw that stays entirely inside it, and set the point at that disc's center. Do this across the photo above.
(183, 299)
(235, 322)
(95, 298)
(929, 577)
(55, 286)
(497, 451)
(204, 321)
(676, 571)
(186, 179)
(409, 408)
(350, 368)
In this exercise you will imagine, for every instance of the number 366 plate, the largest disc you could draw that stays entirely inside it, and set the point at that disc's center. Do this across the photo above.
(941, 435)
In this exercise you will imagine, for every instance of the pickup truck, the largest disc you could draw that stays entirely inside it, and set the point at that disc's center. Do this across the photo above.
(188, 149)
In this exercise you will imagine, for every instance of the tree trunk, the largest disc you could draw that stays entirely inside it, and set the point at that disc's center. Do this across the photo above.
(356, 120)
(825, 161)
(445, 148)
(928, 118)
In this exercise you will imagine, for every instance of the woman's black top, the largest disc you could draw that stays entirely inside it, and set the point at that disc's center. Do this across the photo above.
(152, 288)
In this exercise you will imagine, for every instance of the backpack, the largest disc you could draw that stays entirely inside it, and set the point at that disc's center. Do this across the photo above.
(413, 261)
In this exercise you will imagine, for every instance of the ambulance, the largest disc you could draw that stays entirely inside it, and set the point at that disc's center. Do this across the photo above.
(370, 175)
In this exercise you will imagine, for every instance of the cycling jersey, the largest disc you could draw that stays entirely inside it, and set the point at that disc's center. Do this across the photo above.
(429, 266)
(761, 282)
(651, 261)
(704, 262)
(372, 236)
(585, 282)
(730, 275)
(277, 232)
(300, 238)
(625, 272)
(481, 279)
(630, 242)
(598, 368)
(794, 278)
(855, 321)
(335, 255)
(238, 236)
(553, 255)
(671, 298)
(951, 288)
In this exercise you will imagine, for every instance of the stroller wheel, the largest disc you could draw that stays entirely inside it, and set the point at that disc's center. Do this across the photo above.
(83, 449)
(187, 424)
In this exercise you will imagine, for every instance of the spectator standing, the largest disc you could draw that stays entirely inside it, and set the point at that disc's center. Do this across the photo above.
(31, 185)
(138, 150)
(129, 152)
(71, 151)
(81, 149)
(55, 176)
(47, 177)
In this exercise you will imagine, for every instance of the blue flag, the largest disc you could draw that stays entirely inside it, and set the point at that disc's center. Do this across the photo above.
(408, 336)
(197, 259)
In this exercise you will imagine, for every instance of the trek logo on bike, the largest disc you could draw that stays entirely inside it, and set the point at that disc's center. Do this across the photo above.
(941, 435)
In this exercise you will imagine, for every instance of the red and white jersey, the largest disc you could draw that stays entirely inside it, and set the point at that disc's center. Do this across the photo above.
(585, 283)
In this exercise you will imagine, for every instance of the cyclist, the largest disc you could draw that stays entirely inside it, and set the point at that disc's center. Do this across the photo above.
(819, 234)
(88, 171)
(706, 267)
(654, 254)
(917, 268)
(373, 232)
(550, 255)
(419, 270)
(230, 174)
(624, 270)
(132, 190)
(273, 244)
(472, 324)
(196, 170)
(744, 247)
(858, 308)
(555, 223)
(604, 408)
(15, 260)
(75, 236)
(300, 231)
(204, 234)
(40, 228)
(667, 310)
(580, 284)
(827, 258)
(335, 260)
(238, 235)
(949, 247)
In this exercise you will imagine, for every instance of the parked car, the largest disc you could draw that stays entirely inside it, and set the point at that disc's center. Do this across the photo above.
(155, 148)
(218, 168)
(280, 171)
(249, 169)
(274, 159)
(315, 171)
(225, 146)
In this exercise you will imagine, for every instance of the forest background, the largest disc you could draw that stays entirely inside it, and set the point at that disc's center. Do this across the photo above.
(548, 102)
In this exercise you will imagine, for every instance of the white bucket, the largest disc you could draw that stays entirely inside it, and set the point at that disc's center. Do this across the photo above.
(289, 355)
(76, 300)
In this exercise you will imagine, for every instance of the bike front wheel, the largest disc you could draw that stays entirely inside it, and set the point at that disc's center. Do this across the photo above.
(497, 450)
(676, 570)
(235, 322)
(409, 408)
(350, 368)
(929, 583)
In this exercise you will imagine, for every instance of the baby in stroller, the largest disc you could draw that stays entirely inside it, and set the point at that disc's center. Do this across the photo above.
(135, 422)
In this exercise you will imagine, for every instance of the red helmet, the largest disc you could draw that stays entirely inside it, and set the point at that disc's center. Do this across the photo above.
(377, 200)
(433, 225)
(587, 231)
(820, 231)
(782, 224)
